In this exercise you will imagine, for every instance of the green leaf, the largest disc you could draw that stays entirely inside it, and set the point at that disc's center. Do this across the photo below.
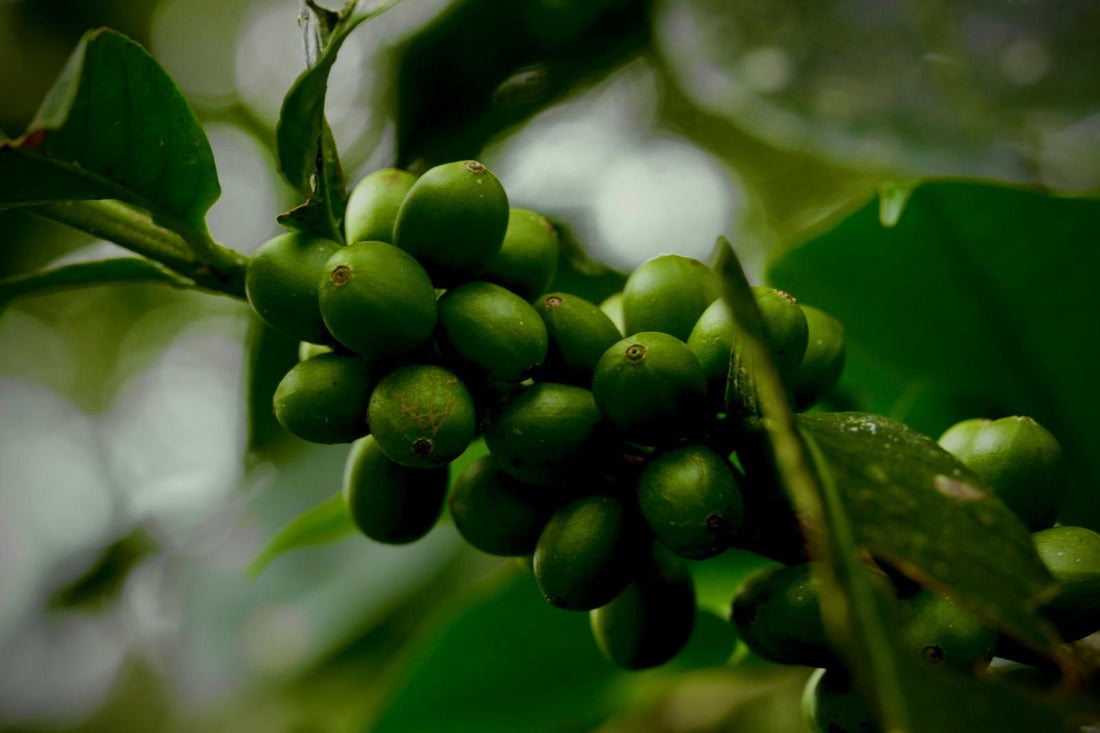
(908, 695)
(504, 660)
(114, 126)
(324, 523)
(307, 154)
(980, 301)
(914, 505)
(88, 274)
(852, 609)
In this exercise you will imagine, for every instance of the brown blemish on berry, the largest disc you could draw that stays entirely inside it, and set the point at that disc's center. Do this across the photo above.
(340, 275)
(423, 447)
(933, 654)
(635, 353)
(474, 167)
(786, 296)
(553, 302)
(956, 489)
(714, 521)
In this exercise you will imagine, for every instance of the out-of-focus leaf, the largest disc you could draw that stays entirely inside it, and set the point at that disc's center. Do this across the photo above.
(327, 522)
(487, 65)
(114, 126)
(924, 88)
(104, 579)
(916, 506)
(307, 153)
(504, 661)
(979, 301)
(88, 274)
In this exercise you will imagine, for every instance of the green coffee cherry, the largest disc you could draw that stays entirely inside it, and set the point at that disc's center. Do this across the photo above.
(711, 340)
(495, 513)
(281, 284)
(528, 259)
(1072, 555)
(453, 221)
(387, 501)
(831, 705)
(942, 633)
(307, 350)
(612, 305)
(823, 360)
(324, 399)
(957, 438)
(422, 416)
(691, 501)
(493, 330)
(586, 554)
(373, 205)
(785, 329)
(778, 615)
(376, 300)
(579, 335)
(650, 387)
(651, 620)
(546, 434)
(1022, 462)
(668, 294)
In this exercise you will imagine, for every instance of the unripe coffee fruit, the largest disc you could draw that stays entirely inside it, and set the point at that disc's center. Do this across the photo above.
(691, 501)
(651, 620)
(496, 513)
(942, 633)
(453, 221)
(422, 416)
(1023, 464)
(281, 284)
(387, 501)
(376, 300)
(778, 615)
(373, 205)
(1072, 555)
(823, 361)
(668, 294)
(528, 259)
(579, 334)
(586, 554)
(324, 398)
(650, 387)
(546, 434)
(492, 330)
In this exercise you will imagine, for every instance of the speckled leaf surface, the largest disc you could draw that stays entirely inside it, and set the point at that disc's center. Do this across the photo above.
(914, 505)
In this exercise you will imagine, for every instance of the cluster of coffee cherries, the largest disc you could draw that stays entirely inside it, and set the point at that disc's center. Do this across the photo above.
(615, 451)
(778, 611)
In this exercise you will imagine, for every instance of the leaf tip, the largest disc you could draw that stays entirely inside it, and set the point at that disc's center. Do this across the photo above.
(893, 199)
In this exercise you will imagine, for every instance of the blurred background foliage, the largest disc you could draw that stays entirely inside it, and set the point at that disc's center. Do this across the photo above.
(140, 467)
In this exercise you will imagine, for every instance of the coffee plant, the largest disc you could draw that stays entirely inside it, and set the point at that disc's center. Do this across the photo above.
(614, 447)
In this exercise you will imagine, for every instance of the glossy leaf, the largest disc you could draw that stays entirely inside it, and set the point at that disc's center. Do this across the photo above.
(962, 299)
(326, 522)
(914, 505)
(114, 126)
